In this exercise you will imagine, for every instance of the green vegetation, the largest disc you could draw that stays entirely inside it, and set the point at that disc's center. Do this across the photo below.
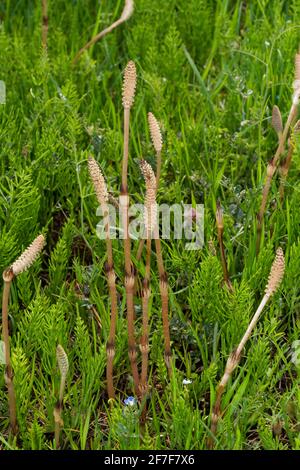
(211, 72)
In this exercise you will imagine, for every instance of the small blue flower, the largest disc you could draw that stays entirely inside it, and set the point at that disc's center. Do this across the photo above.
(130, 401)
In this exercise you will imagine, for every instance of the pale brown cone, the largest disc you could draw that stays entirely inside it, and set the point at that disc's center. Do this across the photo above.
(129, 84)
(28, 256)
(155, 132)
(276, 273)
(150, 197)
(62, 360)
(277, 120)
(98, 181)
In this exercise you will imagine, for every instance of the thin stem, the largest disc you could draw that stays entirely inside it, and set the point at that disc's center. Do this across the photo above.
(124, 189)
(144, 346)
(132, 351)
(270, 172)
(57, 412)
(44, 23)
(140, 249)
(58, 422)
(158, 167)
(163, 287)
(252, 325)
(129, 271)
(126, 13)
(62, 388)
(8, 276)
(111, 280)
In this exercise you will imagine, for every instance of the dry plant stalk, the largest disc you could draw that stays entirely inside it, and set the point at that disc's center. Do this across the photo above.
(44, 23)
(8, 374)
(274, 280)
(129, 85)
(220, 228)
(163, 287)
(20, 265)
(156, 138)
(63, 364)
(272, 165)
(150, 217)
(126, 14)
(103, 198)
(286, 163)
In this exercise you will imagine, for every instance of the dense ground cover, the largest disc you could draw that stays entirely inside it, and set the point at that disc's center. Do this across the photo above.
(211, 72)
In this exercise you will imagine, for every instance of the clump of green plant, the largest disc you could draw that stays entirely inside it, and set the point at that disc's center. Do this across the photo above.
(151, 231)
(19, 266)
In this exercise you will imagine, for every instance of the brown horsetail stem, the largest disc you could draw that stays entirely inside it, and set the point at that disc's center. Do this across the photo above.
(272, 165)
(129, 85)
(157, 142)
(44, 23)
(20, 265)
(103, 198)
(220, 228)
(274, 280)
(8, 374)
(150, 216)
(164, 287)
(63, 365)
(126, 14)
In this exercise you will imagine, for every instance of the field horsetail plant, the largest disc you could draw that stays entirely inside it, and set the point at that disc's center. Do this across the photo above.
(275, 278)
(102, 196)
(156, 139)
(19, 266)
(151, 231)
(282, 133)
(129, 86)
(150, 216)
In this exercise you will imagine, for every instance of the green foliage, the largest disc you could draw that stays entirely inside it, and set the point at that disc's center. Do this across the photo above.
(211, 72)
